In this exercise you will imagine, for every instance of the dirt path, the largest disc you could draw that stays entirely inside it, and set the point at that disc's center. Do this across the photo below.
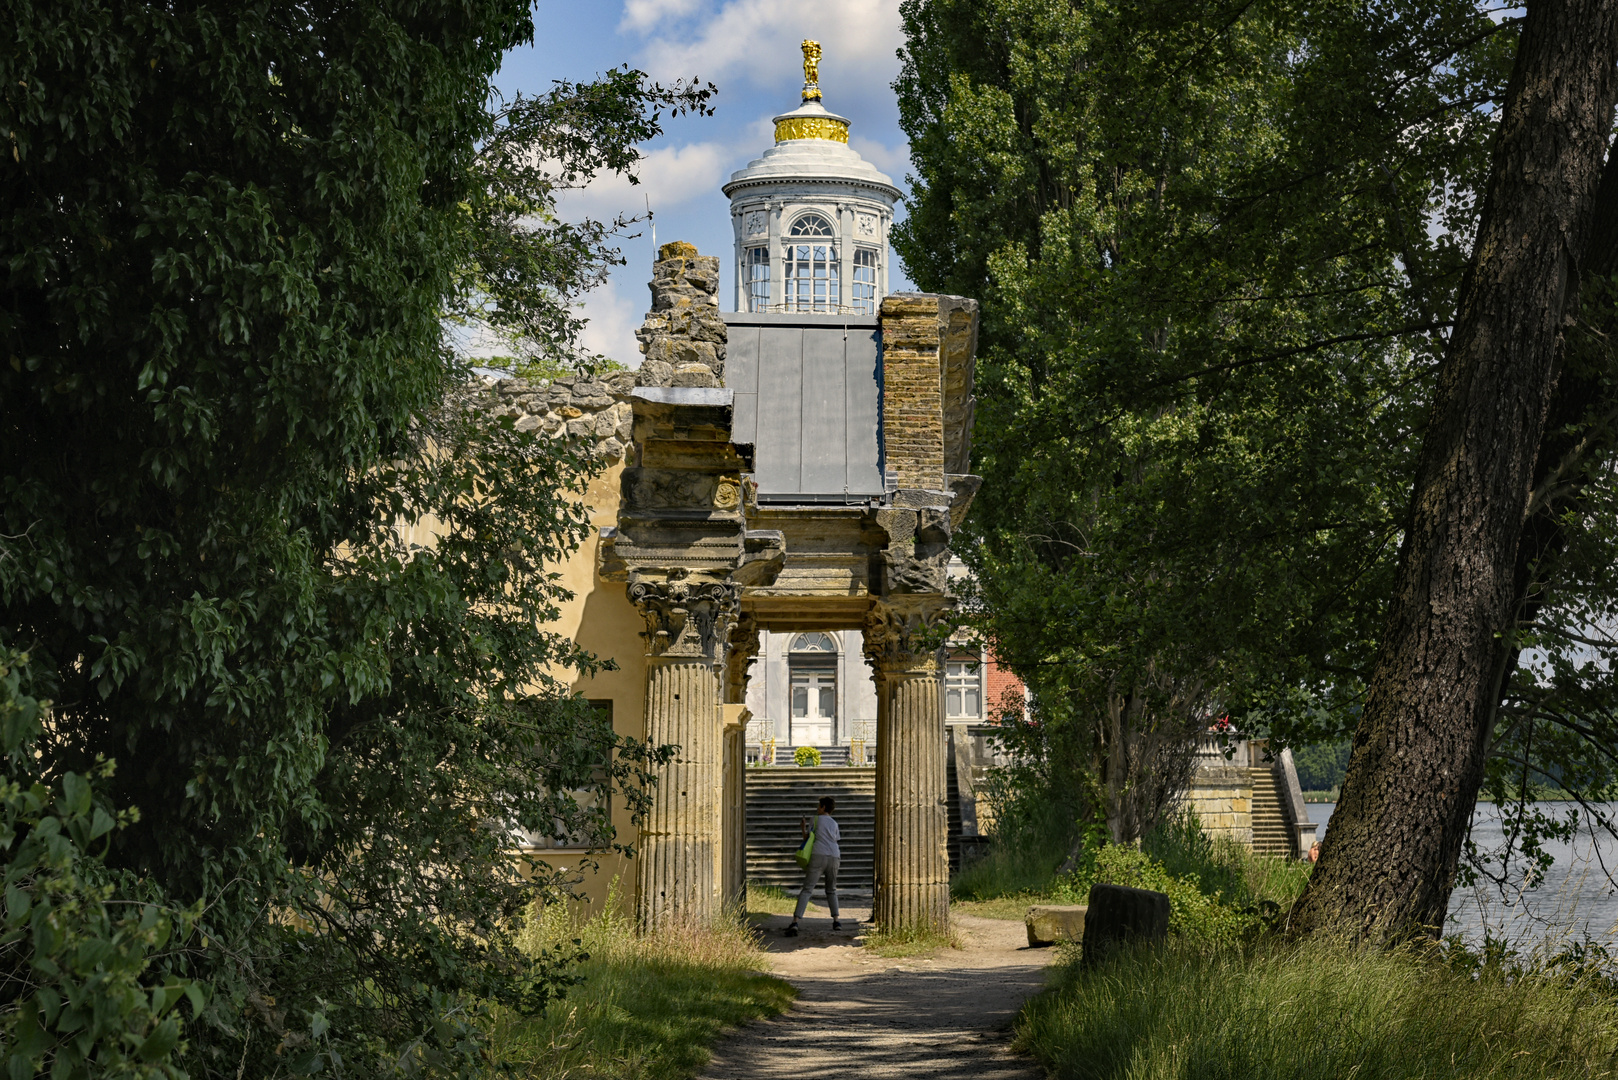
(858, 1015)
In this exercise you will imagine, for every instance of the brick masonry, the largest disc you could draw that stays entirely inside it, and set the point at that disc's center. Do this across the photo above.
(912, 392)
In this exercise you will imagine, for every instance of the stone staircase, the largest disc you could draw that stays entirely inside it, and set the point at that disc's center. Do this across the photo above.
(1272, 832)
(778, 796)
(829, 755)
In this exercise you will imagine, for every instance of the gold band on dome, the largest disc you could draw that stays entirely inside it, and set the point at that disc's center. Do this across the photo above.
(811, 127)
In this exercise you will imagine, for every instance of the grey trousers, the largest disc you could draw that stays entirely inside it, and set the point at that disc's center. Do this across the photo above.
(819, 864)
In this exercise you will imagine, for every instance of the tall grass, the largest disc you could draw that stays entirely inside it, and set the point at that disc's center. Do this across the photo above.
(649, 1005)
(1032, 836)
(1277, 1012)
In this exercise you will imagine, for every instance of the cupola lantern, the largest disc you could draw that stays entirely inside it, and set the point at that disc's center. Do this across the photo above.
(811, 216)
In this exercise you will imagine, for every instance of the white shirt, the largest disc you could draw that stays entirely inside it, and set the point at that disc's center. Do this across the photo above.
(826, 836)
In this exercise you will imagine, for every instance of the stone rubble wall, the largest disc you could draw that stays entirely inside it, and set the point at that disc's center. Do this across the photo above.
(594, 412)
(683, 340)
(684, 336)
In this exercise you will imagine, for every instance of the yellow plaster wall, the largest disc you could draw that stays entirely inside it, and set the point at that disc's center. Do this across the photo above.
(601, 619)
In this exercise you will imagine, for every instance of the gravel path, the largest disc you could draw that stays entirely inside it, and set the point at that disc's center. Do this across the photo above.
(858, 1015)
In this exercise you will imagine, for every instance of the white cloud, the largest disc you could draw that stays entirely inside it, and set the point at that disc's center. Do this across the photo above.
(893, 160)
(613, 321)
(758, 40)
(669, 176)
(643, 14)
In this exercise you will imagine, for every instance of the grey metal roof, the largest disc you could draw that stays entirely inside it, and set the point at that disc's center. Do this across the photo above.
(808, 397)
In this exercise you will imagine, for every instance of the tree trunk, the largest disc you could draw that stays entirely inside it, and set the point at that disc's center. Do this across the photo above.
(1388, 862)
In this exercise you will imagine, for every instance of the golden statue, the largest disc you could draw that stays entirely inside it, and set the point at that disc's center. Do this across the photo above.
(811, 70)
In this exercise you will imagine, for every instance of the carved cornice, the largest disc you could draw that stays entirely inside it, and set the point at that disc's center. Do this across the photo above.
(686, 617)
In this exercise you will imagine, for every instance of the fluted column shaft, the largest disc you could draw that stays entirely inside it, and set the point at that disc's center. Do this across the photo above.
(680, 840)
(912, 821)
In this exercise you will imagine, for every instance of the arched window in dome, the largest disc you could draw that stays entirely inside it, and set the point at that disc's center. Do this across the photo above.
(812, 225)
(811, 277)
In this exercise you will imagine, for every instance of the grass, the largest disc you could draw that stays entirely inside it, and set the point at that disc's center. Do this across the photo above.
(1014, 907)
(769, 900)
(649, 1006)
(910, 941)
(1271, 1011)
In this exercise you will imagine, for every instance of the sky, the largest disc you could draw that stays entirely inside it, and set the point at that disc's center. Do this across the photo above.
(750, 50)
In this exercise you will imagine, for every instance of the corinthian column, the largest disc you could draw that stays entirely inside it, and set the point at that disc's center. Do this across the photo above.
(688, 625)
(912, 821)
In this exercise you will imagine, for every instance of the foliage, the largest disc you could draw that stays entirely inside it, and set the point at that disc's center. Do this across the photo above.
(1275, 1011)
(1032, 830)
(806, 756)
(261, 545)
(648, 1006)
(1217, 247)
(530, 267)
(1321, 767)
(81, 991)
(770, 900)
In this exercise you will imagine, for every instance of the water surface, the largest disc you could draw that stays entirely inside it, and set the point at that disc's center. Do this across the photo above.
(1575, 900)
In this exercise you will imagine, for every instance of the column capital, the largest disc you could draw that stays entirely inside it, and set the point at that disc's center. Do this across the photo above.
(905, 634)
(689, 618)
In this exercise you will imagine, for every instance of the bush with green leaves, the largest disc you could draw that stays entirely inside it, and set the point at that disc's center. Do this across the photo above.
(806, 756)
(81, 990)
(1219, 892)
(262, 544)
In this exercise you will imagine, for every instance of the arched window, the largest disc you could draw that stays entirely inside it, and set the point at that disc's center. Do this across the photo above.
(813, 643)
(811, 277)
(812, 225)
(813, 667)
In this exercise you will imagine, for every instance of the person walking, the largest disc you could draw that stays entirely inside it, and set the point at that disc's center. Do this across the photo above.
(825, 857)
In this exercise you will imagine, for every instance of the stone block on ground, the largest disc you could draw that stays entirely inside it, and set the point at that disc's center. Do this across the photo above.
(1049, 923)
(1119, 914)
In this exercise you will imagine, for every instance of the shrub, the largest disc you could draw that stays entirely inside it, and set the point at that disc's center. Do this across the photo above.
(806, 756)
(81, 984)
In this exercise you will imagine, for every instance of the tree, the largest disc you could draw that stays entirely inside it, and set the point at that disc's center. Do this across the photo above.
(1212, 307)
(1389, 861)
(232, 235)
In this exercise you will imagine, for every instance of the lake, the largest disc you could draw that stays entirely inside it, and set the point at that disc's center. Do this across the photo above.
(1575, 900)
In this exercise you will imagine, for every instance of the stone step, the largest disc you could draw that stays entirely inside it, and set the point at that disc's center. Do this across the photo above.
(779, 796)
(1272, 829)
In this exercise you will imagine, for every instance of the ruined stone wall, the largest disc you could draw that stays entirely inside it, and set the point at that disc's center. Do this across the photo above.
(592, 411)
(683, 339)
(913, 393)
(684, 336)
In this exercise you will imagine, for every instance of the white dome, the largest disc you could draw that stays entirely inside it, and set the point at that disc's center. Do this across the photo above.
(816, 158)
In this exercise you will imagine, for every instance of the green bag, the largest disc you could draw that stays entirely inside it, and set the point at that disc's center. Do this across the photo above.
(803, 853)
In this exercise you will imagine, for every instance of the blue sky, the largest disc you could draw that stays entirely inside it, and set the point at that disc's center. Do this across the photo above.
(749, 49)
